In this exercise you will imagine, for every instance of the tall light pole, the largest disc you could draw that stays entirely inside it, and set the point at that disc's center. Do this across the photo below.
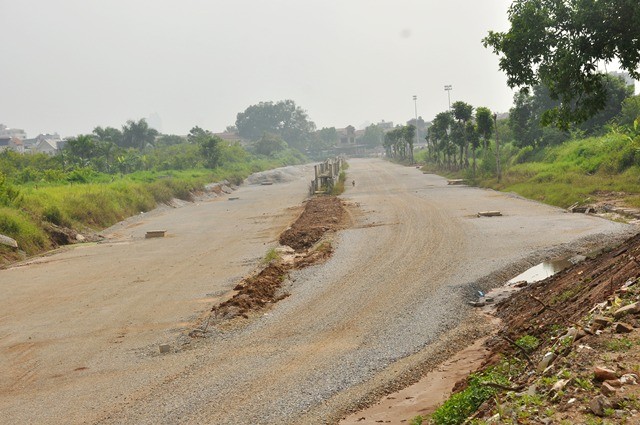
(415, 105)
(448, 89)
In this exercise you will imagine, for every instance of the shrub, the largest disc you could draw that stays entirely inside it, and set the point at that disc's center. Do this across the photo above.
(19, 226)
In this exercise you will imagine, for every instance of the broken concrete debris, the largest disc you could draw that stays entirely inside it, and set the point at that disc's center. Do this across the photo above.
(155, 234)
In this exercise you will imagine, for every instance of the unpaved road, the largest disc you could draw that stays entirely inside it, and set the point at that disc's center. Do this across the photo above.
(79, 330)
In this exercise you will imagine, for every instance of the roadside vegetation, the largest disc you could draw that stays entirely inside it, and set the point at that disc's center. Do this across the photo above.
(586, 163)
(99, 179)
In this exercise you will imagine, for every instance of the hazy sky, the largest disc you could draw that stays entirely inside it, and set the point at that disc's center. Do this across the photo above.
(71, 65)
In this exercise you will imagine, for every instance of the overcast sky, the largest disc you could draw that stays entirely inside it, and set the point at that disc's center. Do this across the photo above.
(71, 65)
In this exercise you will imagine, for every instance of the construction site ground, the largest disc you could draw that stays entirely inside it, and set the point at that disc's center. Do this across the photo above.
(125, 331)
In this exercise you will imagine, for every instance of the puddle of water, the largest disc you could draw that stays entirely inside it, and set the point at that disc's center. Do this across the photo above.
(542, 271)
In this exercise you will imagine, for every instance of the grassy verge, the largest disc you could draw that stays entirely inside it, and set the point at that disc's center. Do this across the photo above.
(100, 200)
(577, 171)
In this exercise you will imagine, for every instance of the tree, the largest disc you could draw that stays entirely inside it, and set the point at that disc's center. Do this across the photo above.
(462, 112)
(630, 112)
(80, 150)
(270, 144)
(409, 135)
(525, 119)
(108, 134)
(283, 118)
(439, 136)
(327, 137)
(209, 145)
(138, 134)
(373, 136)
(617, 91)
(484, 123)
(472, 139)
(560, 43)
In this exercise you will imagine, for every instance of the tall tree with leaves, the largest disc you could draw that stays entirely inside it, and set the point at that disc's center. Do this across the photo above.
(209, 145)
(462, 112)
(484, 123)
(138, 134)
(561, 43)
(283, 118)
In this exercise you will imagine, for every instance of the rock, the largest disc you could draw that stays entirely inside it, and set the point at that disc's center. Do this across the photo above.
(546, 361)
(615, 383)
(80, 238)
(604, 374)
(489, 213)
(521, 284)
(559, 386)
(164, 348)
(599, 404)
(477, 303)
(581, 334)
(607, 389)
(627, 309)
(6, 240)
(489, 299)
(603, 320)
(619, 414)
(629, 379)
(623, 328)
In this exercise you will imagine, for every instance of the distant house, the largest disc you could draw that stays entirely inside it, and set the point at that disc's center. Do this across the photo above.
(6, 132)
(50, 147)
(11, 143)
(232, 136)
(348, 141)
(46, 143)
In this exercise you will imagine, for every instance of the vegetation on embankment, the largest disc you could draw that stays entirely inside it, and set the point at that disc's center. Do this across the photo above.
(86, 200)
(577, 171)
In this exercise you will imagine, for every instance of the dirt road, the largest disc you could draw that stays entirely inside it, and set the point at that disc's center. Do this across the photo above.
(79, 330)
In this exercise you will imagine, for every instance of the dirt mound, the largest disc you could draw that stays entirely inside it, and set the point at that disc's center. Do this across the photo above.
(572, 344)
(572, 293)
(254, 292)
(322, 214)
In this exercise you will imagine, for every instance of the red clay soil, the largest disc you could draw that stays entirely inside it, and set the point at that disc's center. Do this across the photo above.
(320, 215)
(572, 293)
(584, 297)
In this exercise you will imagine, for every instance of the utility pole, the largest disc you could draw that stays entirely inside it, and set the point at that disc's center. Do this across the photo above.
(415, 105)
(448, 89)
(495, 122)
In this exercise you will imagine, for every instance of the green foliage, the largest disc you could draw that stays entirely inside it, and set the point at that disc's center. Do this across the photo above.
(270, 144)
(283, 118)
(338, 188)
(21, 227)
(528, 342)
(418, 420)
(462, 404)
(398, 142)
(560, 43)
(271, 255)
(373, 136)
(9, 195)
(619, 344)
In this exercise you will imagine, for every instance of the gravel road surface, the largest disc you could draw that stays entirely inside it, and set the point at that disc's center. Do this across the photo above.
(80, 329)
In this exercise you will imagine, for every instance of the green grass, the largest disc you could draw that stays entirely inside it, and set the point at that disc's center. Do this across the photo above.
(96, 200)
(576, 171)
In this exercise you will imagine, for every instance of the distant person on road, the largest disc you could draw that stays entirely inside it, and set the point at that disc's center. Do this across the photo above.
(353, 183)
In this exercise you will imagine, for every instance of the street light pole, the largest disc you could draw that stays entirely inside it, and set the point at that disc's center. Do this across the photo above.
(498, 171)
(415, 105)
(448, 89)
